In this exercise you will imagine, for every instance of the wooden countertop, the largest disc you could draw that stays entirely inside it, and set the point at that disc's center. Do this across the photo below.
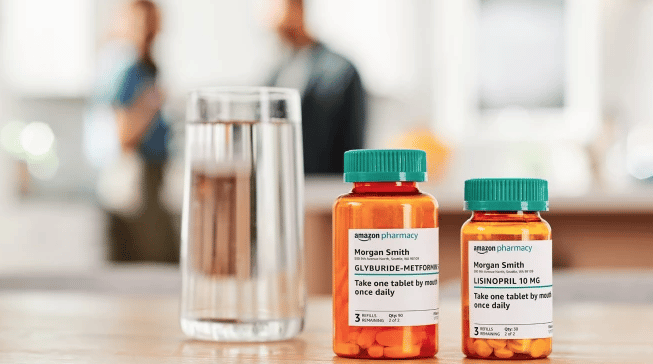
(49, 327)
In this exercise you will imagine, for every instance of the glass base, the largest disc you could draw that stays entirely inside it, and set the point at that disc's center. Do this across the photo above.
(242, 331)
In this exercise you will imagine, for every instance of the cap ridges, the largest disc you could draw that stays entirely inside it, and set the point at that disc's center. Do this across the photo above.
(385, 165)
(506, 194)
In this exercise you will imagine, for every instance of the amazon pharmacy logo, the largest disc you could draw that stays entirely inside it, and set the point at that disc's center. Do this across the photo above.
(482, 249)
(366, 236)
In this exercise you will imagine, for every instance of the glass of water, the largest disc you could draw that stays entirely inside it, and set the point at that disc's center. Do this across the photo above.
(243, 216)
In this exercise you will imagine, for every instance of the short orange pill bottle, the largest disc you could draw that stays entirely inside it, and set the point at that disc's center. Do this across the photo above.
(506, 270)
(385, 258)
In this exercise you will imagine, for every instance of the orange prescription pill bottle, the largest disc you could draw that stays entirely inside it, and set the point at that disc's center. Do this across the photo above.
(385, 258)
(506, 270)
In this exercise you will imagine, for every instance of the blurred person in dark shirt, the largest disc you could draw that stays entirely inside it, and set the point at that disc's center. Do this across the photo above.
(140, 229)
(333, 99)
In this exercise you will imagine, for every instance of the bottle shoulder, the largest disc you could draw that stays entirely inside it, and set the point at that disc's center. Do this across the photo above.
(488, 229)
(360, 199)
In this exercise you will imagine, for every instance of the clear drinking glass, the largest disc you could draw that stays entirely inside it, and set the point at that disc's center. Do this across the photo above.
(243, 216)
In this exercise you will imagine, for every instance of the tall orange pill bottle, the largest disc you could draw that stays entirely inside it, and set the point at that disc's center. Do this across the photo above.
(385, 258)
(506, 270)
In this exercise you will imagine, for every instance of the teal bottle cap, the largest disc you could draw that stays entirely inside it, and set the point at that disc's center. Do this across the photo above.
(506, 194)
(385, 165)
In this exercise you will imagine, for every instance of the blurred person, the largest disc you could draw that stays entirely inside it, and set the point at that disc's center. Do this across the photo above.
(333, 99)
(128, 140)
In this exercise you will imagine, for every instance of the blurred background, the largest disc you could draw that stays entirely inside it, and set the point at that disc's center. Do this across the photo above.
(556, 89)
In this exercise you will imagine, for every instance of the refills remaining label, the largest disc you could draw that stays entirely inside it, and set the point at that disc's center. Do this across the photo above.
(393, 277)
(510, 289)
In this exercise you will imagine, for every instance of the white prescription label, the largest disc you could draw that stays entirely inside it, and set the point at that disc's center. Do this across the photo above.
(510, 289)
(393, 277)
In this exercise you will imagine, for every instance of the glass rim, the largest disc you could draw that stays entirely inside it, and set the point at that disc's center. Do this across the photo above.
(245, 104)
(245, 91)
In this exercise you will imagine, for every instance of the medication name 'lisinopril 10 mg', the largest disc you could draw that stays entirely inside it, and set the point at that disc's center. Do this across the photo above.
(506, 281)
(385, 259)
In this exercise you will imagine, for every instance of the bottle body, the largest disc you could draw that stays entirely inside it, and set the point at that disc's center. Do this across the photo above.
(512, 316)
(371, 210)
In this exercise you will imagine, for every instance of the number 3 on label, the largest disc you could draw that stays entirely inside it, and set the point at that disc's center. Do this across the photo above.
(475, 330)
(358, 317)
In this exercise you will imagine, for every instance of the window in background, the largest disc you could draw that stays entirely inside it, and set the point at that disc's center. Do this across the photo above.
(517, 70)
(521, 54)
